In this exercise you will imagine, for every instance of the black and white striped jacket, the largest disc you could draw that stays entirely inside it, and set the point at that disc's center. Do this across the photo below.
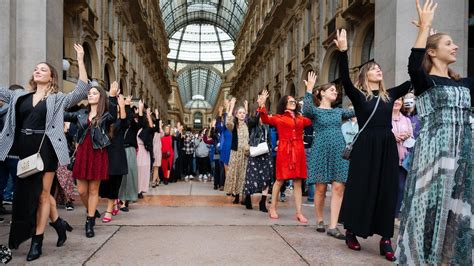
(55, 104)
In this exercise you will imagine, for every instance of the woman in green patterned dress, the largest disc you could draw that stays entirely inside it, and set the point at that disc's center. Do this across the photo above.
(436, 226)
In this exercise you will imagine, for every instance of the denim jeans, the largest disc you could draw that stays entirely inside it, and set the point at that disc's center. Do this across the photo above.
(311, 192)
(7, 177)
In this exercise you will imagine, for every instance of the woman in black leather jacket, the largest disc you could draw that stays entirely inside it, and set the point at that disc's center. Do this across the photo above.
(92, 163)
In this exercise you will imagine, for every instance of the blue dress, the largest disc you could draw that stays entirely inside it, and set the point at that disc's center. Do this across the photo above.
(325, 162)
(225, 141)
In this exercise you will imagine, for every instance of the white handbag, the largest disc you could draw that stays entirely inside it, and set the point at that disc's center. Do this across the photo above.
(32, 164)
(260, 149)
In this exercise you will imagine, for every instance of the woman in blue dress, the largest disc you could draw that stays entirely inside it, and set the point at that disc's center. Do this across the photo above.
(325, 163)
(225, 142)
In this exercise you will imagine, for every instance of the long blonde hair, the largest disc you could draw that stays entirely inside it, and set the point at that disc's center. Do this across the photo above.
(363, 83)
(432, 43)
(53, 85)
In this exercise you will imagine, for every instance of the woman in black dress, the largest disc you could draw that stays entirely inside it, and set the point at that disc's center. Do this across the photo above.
(370, 197)
(109, 189)
(38, 116)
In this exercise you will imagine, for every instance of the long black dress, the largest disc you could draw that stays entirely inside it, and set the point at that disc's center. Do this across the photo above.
(28, 190)
(118, 166)
(370, 196)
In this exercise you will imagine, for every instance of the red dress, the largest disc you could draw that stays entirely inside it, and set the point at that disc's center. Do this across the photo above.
(90, 164)
(166, 146)
(291, 157)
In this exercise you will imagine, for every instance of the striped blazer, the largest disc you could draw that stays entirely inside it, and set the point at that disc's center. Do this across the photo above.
(55, 104)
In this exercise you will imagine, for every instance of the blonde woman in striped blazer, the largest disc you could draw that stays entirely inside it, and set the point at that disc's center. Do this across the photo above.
(33, 114)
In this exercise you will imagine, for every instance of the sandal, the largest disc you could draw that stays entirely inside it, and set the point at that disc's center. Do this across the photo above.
(320, 227)
(301, 219)
(107, 219)
(334, 232)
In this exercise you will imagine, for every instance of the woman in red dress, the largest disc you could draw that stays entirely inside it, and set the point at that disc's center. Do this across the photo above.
(167, 154)
(291, 157)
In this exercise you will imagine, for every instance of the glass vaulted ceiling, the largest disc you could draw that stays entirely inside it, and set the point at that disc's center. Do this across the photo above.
(201, 38)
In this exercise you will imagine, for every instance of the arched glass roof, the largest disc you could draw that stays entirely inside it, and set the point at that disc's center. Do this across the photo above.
(203, 43)
(199, 81)
(198, 102)
(201, 38)
(225, 14)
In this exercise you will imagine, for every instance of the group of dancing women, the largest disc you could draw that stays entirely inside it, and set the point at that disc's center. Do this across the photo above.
(415, 166)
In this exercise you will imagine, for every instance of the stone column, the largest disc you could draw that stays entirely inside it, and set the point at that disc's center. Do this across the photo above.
(395, 35)
(32, 32)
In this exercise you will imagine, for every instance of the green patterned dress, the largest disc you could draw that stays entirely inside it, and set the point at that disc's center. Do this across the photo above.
(436, 224)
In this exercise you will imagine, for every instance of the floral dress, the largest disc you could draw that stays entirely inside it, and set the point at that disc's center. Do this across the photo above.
(234, 183)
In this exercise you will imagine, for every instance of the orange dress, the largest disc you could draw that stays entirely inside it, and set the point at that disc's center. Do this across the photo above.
(291, 157)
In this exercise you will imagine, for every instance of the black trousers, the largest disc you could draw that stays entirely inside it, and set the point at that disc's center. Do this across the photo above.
(203, 165)
(217, 173)
(188, 164)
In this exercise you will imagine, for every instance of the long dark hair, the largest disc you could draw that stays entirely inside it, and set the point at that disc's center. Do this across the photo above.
(53, 85)
(281, 108)
(102, 106)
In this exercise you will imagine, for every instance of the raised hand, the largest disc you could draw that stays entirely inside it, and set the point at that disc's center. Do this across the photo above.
(121, 101)
(114, 89)
(157, 113)
(233, 101)
(128, 100)
(148, 112)
(310, 82)
(141, 107)
(262, 98)
(220, 110)
(246, 105)
(341, 40)
(79, 51)
(425, 14)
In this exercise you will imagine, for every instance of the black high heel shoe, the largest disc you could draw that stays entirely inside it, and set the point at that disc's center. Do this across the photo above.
(387, 250)
(35, 249)
(90, 223)
(263, 204)
(236, 200)
(61, 226)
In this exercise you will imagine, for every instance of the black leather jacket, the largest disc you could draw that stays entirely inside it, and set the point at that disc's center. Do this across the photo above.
(100, 138)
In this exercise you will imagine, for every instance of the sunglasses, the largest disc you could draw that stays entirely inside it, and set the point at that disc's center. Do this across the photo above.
(292, 102)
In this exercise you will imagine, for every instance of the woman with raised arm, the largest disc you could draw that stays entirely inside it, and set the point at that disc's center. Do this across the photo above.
(370, 196)
(291, 157)
(34, 121)
(436, 218)
(234, 183)
(92, 159)
(325, 163)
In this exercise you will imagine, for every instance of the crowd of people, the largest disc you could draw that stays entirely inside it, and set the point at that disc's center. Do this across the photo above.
(400, 155)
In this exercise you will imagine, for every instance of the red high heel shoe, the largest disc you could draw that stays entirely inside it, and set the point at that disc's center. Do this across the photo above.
(386, 250)
(107, 219)
(352, 242)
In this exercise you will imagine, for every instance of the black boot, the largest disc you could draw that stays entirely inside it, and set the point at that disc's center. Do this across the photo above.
(248, 202)
(236, 200)
(35, 249)
(263, 204)
(90, 222)
(61, 226)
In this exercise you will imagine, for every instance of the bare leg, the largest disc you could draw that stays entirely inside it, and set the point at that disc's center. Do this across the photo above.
(110, 208)
(298, 195)
(155, 174)
(336, 201)
(93, 197)
(275, 196)
(319, 201)
(44, 203)
(53, 211)
(83, 188)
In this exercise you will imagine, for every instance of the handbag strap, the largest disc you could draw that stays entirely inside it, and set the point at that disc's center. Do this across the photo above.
(368, 120)
(42, 140)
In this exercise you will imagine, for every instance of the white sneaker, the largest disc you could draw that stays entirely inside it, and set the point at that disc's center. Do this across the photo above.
(186, 178)
(191, 177)
(204, 177)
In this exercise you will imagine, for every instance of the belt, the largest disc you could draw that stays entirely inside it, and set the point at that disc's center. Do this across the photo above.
(28, 131)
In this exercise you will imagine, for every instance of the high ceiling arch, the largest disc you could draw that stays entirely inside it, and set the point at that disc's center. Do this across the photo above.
(225, 14)
(199, 80)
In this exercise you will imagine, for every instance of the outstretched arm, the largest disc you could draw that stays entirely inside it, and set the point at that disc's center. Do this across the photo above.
(341, 43)
(82, 86)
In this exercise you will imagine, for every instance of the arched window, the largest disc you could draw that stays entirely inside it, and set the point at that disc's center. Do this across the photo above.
(333, 68)
(292, 90)
(368, 46)
(197, 121)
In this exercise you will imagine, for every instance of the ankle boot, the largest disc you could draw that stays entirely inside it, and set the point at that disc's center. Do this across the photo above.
(61, 226)
(263, 204)
(90, 222)
(248, 202)
(236, 200)
(35, 249)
